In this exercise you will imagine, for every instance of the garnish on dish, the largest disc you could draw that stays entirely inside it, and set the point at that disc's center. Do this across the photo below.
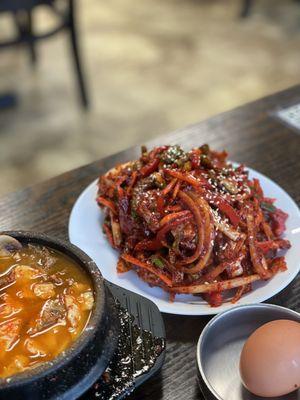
(45, 303)
(191, 222)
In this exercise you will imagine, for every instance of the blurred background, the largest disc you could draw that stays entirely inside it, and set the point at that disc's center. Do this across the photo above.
(148, 67)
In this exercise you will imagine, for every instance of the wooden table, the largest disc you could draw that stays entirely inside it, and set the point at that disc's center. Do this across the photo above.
(251, 134)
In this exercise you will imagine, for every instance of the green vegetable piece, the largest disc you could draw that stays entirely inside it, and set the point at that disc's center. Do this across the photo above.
(157, 262)
(267, 207)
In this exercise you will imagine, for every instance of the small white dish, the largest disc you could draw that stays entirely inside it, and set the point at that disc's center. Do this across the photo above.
(85, 231)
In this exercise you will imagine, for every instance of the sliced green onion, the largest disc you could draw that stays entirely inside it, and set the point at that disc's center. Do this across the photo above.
(157, 262)
(267, 206)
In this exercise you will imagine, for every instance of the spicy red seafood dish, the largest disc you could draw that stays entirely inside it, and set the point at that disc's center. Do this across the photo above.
(191, 222)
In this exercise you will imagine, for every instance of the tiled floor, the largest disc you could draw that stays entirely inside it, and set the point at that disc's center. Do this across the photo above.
(152, 66)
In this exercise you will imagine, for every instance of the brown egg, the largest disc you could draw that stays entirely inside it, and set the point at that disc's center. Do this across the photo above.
(270, 359)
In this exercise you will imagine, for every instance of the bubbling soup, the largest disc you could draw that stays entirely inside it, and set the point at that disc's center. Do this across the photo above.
(46, 300)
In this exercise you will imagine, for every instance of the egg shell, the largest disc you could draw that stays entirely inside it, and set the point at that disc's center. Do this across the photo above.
(270, 359)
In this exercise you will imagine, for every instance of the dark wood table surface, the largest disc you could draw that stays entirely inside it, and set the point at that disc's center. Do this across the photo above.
(252, 135)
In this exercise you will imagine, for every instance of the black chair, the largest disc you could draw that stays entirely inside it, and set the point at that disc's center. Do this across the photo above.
(22, 11)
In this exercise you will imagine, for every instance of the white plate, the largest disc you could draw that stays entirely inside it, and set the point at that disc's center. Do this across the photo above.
(85, 231)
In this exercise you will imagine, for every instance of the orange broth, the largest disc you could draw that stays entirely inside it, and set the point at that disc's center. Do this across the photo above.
(45, 303)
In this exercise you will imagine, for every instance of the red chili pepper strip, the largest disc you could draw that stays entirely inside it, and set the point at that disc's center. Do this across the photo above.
(196, 182)
(176, 190)
(132, 182)
(157, 150)
(118, 185)
(169, 187)
(268, 245)
(107, 203)
(160, 205)
(258, 260)
(170, 217)
(227, 209)
(174, 208)
(171, 225)
(257, 187)
(150, 167)
(132, 260)
(147, 244)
